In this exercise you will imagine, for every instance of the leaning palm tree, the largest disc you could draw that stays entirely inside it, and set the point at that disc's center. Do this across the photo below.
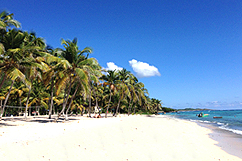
(111, 79)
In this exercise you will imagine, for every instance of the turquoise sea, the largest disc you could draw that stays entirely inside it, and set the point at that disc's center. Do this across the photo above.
(231, 119)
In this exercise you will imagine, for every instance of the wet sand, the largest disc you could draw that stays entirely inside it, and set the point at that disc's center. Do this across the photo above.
(227, 141)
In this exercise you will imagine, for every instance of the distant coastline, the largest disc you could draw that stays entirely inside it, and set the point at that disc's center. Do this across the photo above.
(194, 109)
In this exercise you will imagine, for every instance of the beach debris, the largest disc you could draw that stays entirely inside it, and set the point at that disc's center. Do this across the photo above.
(85, 148)
(136, 128)
(43, 156)
(79, 145)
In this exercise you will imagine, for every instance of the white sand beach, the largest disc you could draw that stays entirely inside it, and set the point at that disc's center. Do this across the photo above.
(124, 138)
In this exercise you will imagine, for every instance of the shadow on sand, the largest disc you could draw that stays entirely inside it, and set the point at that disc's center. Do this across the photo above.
(5, 124)
(6, 121)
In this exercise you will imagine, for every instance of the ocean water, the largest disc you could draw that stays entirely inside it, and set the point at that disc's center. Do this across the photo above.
(231, 119)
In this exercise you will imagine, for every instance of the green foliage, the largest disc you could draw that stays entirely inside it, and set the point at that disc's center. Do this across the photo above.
(166, 109)
(41, 73)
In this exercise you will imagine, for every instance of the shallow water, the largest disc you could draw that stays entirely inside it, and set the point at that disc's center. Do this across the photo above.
(231, 119)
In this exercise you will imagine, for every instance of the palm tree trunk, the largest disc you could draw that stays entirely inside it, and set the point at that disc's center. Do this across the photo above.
(97, 104)
(66, 118)
(90, 104)
(82, 112)
(96, 101)
(64, 102)
(4, 78)
(117, 107)
(38, 111)
(51, 101)
(20, 110)
(129, 105)
(106, 114)
(53, 109)
(6, 99)
(29, 112)
(157, 109)
(1, 105)
(27, 102)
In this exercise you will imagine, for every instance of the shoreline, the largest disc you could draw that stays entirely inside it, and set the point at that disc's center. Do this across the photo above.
(227, 140)
(124, 137)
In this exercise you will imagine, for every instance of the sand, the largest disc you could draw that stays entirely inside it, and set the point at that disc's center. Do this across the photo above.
(125, 138)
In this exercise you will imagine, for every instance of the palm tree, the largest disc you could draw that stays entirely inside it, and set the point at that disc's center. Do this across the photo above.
(140, 92)
(75, 67)
(13, 59)
(98, 93)
(157, 104)
(2, 97)
(132, 84)
(6, 20)
(51, 74)
(37, 95)
(111, 78)
(93, 74)
(123, 86)
(35, 53)
(18, 90)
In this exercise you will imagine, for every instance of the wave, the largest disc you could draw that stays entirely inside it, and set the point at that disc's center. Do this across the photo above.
(220, 125)
(231, 130)
(201, 121)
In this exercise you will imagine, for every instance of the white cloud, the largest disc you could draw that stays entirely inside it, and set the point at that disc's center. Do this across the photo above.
(143, 69)
(112, 66)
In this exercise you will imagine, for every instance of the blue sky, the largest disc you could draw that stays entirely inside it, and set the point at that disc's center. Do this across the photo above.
(187, 53)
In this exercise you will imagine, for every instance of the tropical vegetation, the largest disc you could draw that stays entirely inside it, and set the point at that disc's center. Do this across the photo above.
(37, 79)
